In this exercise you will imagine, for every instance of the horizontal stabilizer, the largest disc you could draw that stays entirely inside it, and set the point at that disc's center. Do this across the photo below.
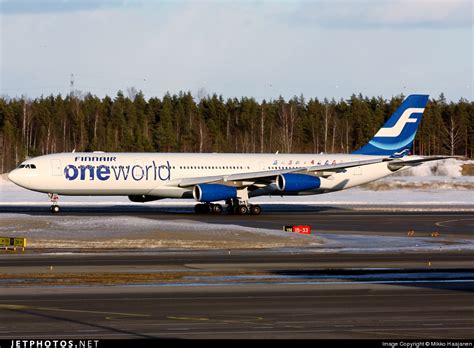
(396, 164)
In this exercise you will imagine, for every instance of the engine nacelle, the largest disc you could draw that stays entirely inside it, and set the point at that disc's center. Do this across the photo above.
(143, 198)
(213, 192)
(297, 182)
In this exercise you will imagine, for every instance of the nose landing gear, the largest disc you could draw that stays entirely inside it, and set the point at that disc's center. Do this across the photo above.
(54, 198)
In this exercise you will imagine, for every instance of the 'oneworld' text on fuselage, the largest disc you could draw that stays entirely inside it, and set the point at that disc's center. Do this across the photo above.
(104, 172)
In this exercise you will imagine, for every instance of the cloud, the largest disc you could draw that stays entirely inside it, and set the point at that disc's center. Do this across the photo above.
(396, 14)
(259, 49)
(13, 7)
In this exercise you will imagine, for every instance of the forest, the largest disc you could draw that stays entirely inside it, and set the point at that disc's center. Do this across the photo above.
(210, 123)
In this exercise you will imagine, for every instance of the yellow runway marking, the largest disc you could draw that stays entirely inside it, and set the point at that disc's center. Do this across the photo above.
(441, 223)
(8, 306)
(228, 321)
(19, 307)
(188, 318)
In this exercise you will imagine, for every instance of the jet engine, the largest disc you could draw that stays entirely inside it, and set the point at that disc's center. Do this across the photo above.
(213, 192)
(297, 182)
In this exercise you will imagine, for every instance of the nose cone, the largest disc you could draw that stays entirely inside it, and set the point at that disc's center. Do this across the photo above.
(19, 177)
(13, 176)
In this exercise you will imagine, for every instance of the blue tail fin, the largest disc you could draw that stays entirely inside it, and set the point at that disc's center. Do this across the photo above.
(397, 134)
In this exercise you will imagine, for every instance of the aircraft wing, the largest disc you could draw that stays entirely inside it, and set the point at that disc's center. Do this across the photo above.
(262, 175)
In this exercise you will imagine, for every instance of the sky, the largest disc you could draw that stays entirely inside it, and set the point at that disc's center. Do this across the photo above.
(260, 49)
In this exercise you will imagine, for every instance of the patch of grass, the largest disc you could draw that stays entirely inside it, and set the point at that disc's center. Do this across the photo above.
(467, 169)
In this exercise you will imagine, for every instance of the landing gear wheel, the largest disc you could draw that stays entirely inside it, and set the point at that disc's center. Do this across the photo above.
(216, 208)
(255, 210)
(200, 209)
(242, 209)
(54, 198)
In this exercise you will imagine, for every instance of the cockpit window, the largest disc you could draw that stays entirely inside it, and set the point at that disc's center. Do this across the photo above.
(28, 166)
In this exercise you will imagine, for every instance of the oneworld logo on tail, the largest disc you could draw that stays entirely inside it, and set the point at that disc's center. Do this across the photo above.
(398, 133)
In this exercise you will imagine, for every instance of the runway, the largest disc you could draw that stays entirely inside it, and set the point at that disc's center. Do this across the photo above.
(340, 220)
(251, 294)
(294, 292)
(349, 221)
(406, 310)
(267, 260)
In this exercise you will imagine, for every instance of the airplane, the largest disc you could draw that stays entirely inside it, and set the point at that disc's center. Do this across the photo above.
(234, 178)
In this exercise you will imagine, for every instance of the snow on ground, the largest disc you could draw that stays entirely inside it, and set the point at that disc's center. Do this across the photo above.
(99, 232)
(364, 243)
(141, 233)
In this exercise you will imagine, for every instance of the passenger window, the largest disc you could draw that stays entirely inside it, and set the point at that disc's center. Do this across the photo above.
(33, 166)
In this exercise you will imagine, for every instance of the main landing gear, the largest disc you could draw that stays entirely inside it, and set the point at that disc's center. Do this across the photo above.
(54, 198)
(233, 207)
(204, 208)
(242, 206)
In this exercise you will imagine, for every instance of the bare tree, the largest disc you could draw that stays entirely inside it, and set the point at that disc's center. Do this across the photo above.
(132, 92)
(201, 94)
(327, 120)
(262, 129)
(453, 132)
(287, 119)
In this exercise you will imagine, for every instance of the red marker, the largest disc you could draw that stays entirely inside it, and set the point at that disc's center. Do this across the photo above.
(302, 229)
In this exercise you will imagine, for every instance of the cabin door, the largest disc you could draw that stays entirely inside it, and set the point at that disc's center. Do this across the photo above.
(56, 167)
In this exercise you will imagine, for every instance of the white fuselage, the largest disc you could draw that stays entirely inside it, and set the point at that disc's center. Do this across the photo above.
(158, 174)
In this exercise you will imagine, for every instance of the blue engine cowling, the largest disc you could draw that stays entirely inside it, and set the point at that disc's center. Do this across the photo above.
(213, 192)
(297, 182)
